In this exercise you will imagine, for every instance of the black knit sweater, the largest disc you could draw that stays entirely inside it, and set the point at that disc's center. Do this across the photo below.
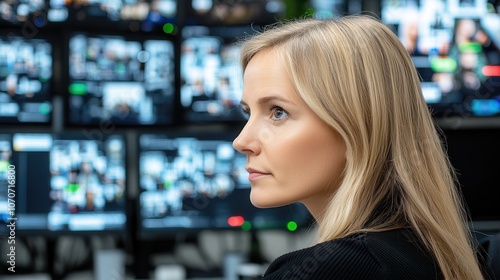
(395, 254)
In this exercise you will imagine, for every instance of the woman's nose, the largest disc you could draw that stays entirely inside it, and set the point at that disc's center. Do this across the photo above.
(247, 142)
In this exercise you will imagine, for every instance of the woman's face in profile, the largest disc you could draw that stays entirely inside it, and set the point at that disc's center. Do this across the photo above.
(292, 155)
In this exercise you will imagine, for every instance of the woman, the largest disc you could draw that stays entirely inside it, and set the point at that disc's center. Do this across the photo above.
(337, 121)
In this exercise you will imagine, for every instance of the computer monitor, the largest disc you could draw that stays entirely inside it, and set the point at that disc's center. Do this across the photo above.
(32, 15)
(194, 181)
(221, 12)
(474, 154)
(120, 80)
(133, 15)
(26, 76)
(455, 46)
(211, 76)
(62, 183)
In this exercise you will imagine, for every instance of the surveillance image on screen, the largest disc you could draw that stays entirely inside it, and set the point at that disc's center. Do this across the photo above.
(135, 15)
(193, 183)
(33, 14)
(211, 78)
(25, 80)
(120, 81)
(455, 46)
(65, 182)
(243, 12)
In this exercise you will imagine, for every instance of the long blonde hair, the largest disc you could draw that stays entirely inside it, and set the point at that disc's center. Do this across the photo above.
(357, 77)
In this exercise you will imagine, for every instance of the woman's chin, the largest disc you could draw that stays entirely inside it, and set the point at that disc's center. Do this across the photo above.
(265, 201)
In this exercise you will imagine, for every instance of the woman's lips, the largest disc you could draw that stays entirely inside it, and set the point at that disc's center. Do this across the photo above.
(254, 174)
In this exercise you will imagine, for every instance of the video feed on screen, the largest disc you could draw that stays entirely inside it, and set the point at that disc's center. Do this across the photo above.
(135, 15)
(7, 171)
(329, 9)
(455, 46)
(120, 81)
(64, 183)
(211, 78)
(193, 183)
(25, 80)
(32, 14)
(244, 12)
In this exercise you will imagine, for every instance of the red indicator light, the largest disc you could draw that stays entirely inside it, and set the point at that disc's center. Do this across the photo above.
(491, 71)
(235, 221)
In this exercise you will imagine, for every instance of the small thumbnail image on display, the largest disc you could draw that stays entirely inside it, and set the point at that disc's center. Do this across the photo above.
(123, 81)
(25, 80)
(86, 177)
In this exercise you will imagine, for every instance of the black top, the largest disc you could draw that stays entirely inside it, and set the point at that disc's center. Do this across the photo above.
(394, 254)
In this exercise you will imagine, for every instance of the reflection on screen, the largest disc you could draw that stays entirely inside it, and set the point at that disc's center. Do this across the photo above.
(120, 81)
(193, 183)
(211, 78)
(455, 46)
(65, 183)
(25, 78)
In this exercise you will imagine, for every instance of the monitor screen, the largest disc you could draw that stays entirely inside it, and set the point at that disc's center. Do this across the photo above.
(474, 154)
(132, 15)
(190, 183)
(328, 9)
(455, 46)
(118, 80)
(62, 183)
(32, 15)
(211, 77)
(223, 12)
(25, 79)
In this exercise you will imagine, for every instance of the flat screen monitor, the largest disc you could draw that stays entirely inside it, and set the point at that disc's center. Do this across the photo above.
(223, 12)
(132, 15)
(193, 182)
(211, 76)
(62, 183)
(26, 76)
(121, 81)
(474, 154)
(455, 46)
(31, 15)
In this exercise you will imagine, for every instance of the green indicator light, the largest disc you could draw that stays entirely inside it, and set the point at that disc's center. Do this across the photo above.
(168, 28)
(446, 64)
(291, 226)
(77, 89)
(246, 226)
(471, 47)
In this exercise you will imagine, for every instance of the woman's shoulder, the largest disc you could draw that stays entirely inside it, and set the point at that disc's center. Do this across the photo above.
(394, 254)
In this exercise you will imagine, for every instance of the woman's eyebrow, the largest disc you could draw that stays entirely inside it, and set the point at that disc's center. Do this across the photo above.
(267, 99)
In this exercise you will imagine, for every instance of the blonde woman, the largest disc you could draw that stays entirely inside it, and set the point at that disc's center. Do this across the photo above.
(337, 122)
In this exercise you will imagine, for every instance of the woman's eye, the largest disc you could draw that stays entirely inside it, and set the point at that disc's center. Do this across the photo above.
(278, 113)
(246, 112)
